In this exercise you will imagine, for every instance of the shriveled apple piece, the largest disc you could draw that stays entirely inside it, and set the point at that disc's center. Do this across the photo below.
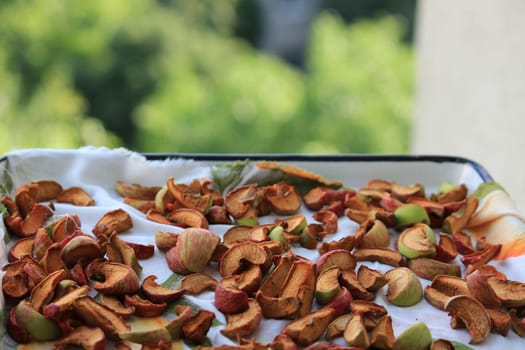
(337, 327)
(117, 278)
(64, 226)
(43, 292)
(156, 338)
(144, 307)
(429, 268)
(368, 308)
(345, 243)
(76, 196)
(116, 305)
(410, 214)
(229, 298)
(165, 240)
(16, 331)
(318, 197)
(293, 224)
(404, 192)
(136, 191)
(157, 293)
(189, 198)
(34, 220)
(241, 254)
(404, 288)
(22, 247)
(372, 234)
(15, 280)
(463, 242)
(236, 234)
(39, 327)
(188, 217)
(327, 285)
(156, 216)
(339, 257)
(382, 335)
(435, 297)
(417, 241)
(65, 302)
(25, 199)
(478, 286)
(98, 315)
(473, 314)
(46, 189)
(500, 321)
(371, 279)
(174, 327)
(283, 198)
(452, 194)
(80, 249)
(52, 259)
(459, 219)
(197, 283)
(115, 220)
(383, 255)
(441, 344)
(309, 327)
(510, 293)
(197, 326)
(451, 285)
(244, 323)
(446, 249)
(250, 279)
(355, 333)
(477, 259)
(121, 252)
(349, 280)
(329, 220)
(88, 338)
(517, 324)
(142, 251)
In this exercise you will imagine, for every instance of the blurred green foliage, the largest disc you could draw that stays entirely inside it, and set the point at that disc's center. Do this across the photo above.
(175, 76)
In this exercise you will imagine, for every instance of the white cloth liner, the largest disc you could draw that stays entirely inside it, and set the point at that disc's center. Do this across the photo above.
(97, 169)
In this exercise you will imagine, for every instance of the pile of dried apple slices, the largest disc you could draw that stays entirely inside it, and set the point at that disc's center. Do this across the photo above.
(75, 288)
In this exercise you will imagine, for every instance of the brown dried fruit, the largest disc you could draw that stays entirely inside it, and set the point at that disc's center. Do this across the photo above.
(355, 333)
(349, 280)
(310, 327)
(157, 293)
(429, 268)
(43, 292)
(382, 335)
(383, 255)
(510, 293)
(367, 308)
(339, 257)
(459, 219)
(197, 326)
(143, 307)
(165, 240)
(22, 247)
(240, 256)
(371, 279)
(197, 283)
(404, 288)
(188, 217)
(337, 326)
(244, 323)
(345, 243)
(76, 196)
(136, 191)
(80, 248)
(473, 314)
(283, 198)
(189, 198)
(229, 299)
(60, 305)
(116, 305)
(117, 279)
(115, 220)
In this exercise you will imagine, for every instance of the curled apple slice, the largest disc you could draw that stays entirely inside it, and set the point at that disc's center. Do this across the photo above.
(244, 323)
(76, 196)
(309, 328)
(473, 314)
(157, 293)
(240, 255)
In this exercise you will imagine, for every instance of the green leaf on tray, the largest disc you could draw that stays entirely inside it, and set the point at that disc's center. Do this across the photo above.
(173, 281)
(228, 175)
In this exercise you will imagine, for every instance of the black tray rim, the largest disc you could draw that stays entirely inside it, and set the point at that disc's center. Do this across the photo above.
(282, 157)
(482, 172)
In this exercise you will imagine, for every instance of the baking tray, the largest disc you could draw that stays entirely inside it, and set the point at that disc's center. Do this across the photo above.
(97, 169)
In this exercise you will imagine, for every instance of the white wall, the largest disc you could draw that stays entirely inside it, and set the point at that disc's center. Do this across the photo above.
(470, 85)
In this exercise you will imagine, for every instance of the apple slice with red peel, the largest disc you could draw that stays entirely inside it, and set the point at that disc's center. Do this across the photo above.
(478, 286)
(339, 257)
(446, 249)
(239, 200)
(217, 214)
(417, 241)
(349, 280)
(188, 217)
(117, 279)
(136, 191)
(39, 327)
(197, 283)
(22, 247)
(309, 328)
(158, 293)
(329, 220)
(429, 268)
(189, 198)
(229, 299)
(43, 292)
(60, 305)
(473, 314)
(117, 306)
(368, 308)
(244, 323)
(81, 248)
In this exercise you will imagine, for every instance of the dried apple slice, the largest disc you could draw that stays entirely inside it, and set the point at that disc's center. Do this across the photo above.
(459, 219)
(337, 327)
(473, 314)
(114, 303)
(372, 234)
(429, 268)
(310, 327)
(188, 217)
(417, 241)
(39, 327)
(345, 243)
(327, 285)
(415, 337)
(92, 338)
(34, 220)
(80, 248)
(244, 323)
(349, 280)
(157, 293)
(22, 247)
(446, 249)
(371, 279)
(43, 292)
(410, 214)
(517, 324)
(339, 257)
(165, 240)
(121, 252)
(55, 308)
(283, 198)
(240, 255)
(136, 191)
(435, 297)
(510, 293)
(115, 220)
(143, 307)
(46, 189)
(197, 326)
(382, 335)
(117, 278)
(197, 283)
(368, 308)
(478, 286)
(15, 280)
(76, 196)
(229, 299)
(98, 315)
(189, 198)
(383, 255)
(355, 333)
(64, 227)
(404, 288)
(294, 224)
